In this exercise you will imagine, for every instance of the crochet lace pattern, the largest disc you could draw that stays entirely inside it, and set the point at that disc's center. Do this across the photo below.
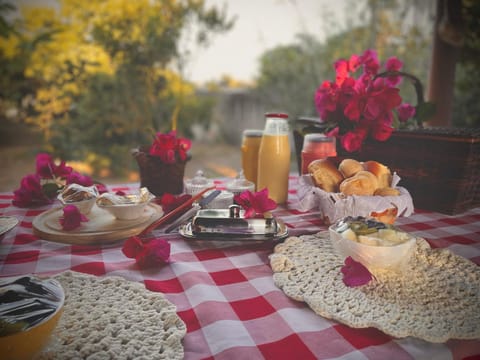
(113, 318)
(436, 297)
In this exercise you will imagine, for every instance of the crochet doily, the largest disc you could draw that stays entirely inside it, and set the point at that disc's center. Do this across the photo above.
(436, 298)
(112, 318)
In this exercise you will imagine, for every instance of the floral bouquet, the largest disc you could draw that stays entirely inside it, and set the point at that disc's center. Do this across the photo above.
(162, 164)
(370, 105)
(49, 179)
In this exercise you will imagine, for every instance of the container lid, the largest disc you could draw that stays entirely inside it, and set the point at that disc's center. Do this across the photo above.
(198, 183)
(240, 184)
(252, 133)
(276, 115)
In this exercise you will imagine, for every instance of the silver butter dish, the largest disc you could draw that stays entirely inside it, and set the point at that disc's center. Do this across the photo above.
(231, 224)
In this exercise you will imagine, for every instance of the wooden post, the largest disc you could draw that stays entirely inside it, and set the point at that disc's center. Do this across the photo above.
(447, 40)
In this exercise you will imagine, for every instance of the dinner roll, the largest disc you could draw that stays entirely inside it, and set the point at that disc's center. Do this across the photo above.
(382, 173)
(387, 191)
(362, 183)
(349, 167)
(325, 174)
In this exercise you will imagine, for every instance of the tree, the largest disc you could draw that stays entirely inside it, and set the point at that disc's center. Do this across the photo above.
(107, 73)
(289, 76)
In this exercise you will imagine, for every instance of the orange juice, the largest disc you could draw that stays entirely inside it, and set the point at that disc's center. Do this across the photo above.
(250, 146)
(274, 158)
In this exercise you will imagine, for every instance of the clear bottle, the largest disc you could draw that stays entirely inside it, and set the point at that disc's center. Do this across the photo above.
(274, 157)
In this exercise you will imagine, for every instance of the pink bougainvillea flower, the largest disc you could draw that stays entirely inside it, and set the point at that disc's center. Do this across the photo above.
(147, 254)
(405, 112)
(183, 145)
(44, 166)
(168, 202)
(167, 147)
(326, 99)
(255, 204)
(354, 63)
(352, 140)
(354, 273)
(154, 252)
(393, 64)
(77, 178)
(363, 107)
(382, 132)
(132, 246)
(47, 169)
(30, 192)
(72, 218)
(341, 69)
(370, 61)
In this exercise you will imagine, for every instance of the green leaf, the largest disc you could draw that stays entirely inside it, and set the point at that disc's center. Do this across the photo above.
(50, 190)
(424, 111)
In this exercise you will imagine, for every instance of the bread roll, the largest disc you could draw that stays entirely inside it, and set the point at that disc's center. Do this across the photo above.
(349, 167)
(325, 174)
(387, 191)
(362, 183)
(382, 173)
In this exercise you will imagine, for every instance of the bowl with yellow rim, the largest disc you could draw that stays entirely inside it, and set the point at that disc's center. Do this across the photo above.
(30, 308)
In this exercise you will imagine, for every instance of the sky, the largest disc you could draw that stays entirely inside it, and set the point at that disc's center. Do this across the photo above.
(260, 25)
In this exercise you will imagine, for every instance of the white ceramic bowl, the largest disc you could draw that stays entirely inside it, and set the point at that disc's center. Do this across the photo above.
(374, 257)
(125, 211)
(29, 342)
(84, 206)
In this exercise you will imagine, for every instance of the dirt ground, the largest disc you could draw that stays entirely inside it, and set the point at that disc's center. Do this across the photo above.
(215, 160)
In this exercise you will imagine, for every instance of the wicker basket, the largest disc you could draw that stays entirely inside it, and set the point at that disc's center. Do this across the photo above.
(158, 177)
(440, 167)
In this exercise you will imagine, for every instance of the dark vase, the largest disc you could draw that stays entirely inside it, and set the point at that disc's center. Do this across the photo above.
(158, 177)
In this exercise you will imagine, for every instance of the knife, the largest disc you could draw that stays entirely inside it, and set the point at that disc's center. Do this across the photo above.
(190, 213)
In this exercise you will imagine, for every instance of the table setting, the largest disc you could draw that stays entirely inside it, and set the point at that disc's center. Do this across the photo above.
(335, 261)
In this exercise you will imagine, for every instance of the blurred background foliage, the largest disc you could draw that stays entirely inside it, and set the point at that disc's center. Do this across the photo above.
(97, 78)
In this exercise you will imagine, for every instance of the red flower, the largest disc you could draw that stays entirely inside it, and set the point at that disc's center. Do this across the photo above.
(255, 204)
(47, 168)
(354, 273)
(352, 141)
(154, 252)
(363, 107)
(132, 246)
(405, 112)
(72, 218)
(393, 64)
(42, 187)
(30, 192)
(168, 147)
(170, 202)
(77, 178)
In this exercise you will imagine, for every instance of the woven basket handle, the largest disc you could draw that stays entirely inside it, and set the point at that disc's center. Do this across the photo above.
(417, 84)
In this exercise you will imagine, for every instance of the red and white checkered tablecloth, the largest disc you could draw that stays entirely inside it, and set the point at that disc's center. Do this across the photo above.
(226, 295)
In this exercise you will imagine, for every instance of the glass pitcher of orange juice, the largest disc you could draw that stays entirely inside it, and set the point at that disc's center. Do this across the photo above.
(274, 157)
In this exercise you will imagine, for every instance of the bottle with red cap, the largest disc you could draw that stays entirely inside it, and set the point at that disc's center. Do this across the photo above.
(274, 157)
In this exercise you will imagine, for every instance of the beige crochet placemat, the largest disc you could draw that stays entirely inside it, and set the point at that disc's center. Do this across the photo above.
(436, 298)
(113, 318)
